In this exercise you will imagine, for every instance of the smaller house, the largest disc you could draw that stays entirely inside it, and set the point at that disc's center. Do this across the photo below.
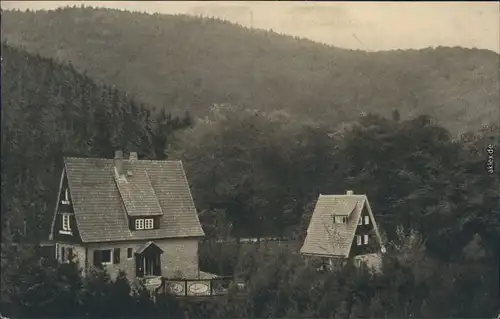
(343, 227)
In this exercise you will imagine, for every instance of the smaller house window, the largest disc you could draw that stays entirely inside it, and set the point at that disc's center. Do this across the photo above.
(340, 220)
(367, 220)
(365, 239)
(139, 224)
(360, 221)
(149, 223)
(358, 240)
(129, 253)
(65, 222)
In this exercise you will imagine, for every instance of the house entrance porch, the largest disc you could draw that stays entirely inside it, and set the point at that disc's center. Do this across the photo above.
(148, 261)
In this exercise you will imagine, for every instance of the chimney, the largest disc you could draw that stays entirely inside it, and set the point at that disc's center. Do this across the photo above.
(349, 193)
(119, 162)
(133, 156)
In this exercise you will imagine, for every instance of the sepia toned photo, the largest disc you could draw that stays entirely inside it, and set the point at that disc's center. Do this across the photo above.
(250, 159)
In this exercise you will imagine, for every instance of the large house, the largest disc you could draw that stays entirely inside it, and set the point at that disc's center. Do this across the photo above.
(127, 214)
(342, 227)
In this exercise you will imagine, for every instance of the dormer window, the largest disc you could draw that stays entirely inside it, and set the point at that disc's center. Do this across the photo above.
(139, 224)
(148, 223)
(142, 223)
(66, 197)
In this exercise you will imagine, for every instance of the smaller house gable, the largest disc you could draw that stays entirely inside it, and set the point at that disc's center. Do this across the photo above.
(333, 225)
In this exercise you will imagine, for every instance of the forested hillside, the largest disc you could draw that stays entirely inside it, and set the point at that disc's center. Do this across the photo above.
(50, 111)
(433, 199)
(189, 63)
(267, 170)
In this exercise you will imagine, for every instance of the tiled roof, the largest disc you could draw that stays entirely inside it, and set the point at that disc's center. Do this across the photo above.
(100, 212)
(324, 237)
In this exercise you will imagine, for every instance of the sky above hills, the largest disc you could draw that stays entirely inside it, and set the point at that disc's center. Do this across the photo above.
(356, 25)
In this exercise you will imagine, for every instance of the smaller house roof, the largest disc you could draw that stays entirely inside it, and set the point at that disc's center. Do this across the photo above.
(326, 238)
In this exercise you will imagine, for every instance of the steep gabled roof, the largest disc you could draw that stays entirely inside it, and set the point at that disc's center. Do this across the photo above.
(99, 208)
(326, 238)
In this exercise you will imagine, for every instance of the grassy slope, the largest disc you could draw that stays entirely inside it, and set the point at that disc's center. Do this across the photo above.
(189, 63)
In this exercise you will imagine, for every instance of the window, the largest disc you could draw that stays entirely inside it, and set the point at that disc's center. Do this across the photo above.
(66, 197)
(358, 240)
(106, 256)
(367, 220)
(148, 223)
(139, 224)
(129, 253)
(102, 257)
(360, 221)
(365, 239)
(116, 256)
(66, 254)
(65, 222)
(340, 220)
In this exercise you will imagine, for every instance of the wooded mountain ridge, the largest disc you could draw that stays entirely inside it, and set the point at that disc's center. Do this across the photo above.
(189, 63)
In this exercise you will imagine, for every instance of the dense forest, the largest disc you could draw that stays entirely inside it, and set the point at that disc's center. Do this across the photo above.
(188, 63)
(50, 111)
(255, 167)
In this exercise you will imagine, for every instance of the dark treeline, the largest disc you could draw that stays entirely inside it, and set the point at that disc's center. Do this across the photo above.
(50, 111)
(432, 197)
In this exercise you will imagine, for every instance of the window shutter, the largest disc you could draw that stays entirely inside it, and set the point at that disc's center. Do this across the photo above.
(63, 254)
(116, 256)
(97, 258)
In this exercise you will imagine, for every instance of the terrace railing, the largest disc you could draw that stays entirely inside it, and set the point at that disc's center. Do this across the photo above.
(196, 287)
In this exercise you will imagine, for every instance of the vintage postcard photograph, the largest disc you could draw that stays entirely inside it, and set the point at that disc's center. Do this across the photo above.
(250, 159)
